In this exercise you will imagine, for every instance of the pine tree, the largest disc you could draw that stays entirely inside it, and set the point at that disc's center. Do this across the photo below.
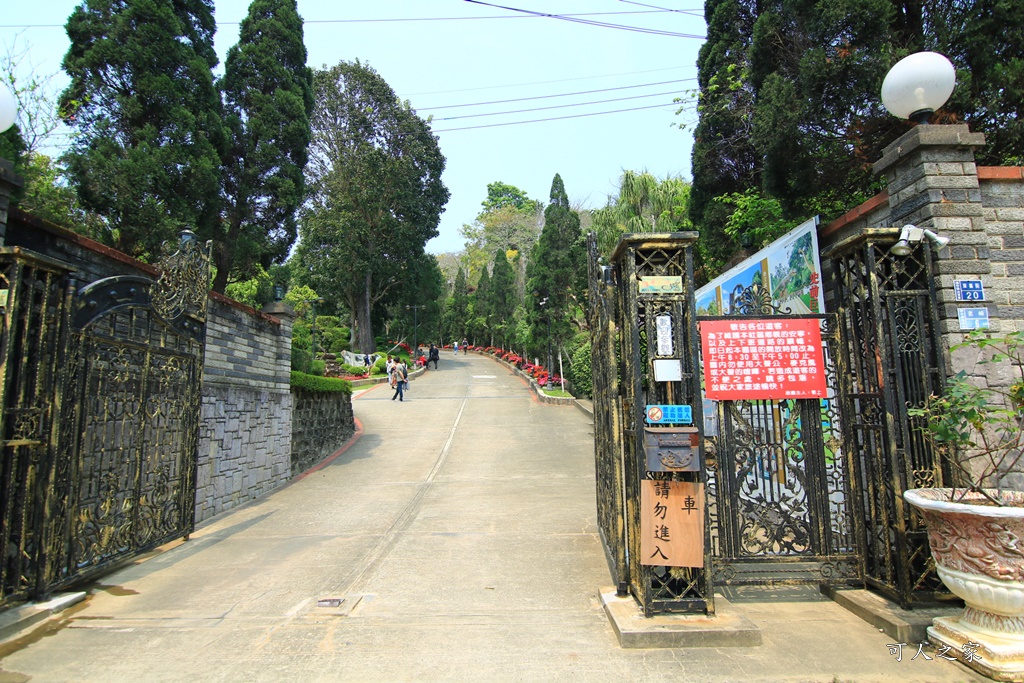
(554, 272)
(502, 299)
(460, 306)
(268, 94)
(724, 159)
(143, 101)
(480, 330)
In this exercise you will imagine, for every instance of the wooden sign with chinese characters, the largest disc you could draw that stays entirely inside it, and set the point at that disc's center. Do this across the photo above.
(768, 358)
(672, 523)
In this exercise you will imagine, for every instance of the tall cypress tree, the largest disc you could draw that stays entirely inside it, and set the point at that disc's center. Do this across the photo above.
(724, 159)
(503, 297)
(460, 306)
(142, 97)
(554, 271)
(268, 94)
(480, 330)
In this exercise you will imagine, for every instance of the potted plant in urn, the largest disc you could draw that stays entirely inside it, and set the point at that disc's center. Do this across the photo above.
(976, 527)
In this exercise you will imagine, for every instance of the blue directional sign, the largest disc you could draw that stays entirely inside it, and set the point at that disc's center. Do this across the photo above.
(968, 290)
(972, 318)
(663, 414)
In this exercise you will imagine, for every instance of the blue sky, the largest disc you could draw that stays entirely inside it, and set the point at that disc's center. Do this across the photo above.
(443, 62)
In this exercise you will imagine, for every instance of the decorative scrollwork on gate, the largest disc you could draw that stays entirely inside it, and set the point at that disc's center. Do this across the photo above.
(184, 281)
(126, 472)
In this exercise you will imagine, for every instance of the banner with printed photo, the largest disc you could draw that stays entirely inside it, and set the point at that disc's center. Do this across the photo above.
(789, 268)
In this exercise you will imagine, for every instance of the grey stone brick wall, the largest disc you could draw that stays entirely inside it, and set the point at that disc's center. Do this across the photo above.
(245, 438)
(321, 424)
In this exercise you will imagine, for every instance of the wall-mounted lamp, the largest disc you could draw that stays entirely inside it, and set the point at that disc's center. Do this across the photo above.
(278, 292)
(911, 236)
(918, 85)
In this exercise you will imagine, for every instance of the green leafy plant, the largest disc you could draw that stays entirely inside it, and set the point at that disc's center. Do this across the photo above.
(332, 385)
(979, 431)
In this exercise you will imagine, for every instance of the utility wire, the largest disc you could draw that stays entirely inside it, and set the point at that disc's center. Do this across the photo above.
(557, 118)
(603, 24)
(556, 106)
(560, 80)
(397, 19)
(690, 12)
(545, 97)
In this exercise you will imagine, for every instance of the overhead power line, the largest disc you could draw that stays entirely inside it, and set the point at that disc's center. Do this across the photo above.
(557, 118)
(400, 19)
(556, 106)
(545, 97)
(691, 12)
(602, 24)
(559, 80)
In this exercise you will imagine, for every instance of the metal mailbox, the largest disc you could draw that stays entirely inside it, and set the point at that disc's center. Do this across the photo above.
(672, 449)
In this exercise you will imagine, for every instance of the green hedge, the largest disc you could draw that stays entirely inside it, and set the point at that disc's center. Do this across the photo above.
(579, 372)
(325, 385)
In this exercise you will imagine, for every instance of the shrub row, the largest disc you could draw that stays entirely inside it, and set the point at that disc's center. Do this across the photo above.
(327, 385)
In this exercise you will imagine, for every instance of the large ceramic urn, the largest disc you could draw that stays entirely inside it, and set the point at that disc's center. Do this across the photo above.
(978, 550)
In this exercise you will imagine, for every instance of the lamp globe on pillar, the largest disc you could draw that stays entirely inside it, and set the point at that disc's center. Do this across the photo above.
(918, 85)
(8, 108)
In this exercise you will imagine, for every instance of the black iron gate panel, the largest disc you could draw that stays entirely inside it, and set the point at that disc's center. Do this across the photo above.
(892, 353)
(33, 307)
(126, 471)
(658, 589)
(780, 485)
(608, 454)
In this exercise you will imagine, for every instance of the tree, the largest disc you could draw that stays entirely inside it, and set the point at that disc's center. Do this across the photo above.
(503, 298)
(268, 94)
(643, 204)
(554, 270)
(457, 309)
(790, 106)
(375, 193)
(142, 97)
(480, 329)
(724, 160)
(501, 195)
(510, 221)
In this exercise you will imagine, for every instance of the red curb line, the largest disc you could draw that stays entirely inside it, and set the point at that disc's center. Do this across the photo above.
(327, 461)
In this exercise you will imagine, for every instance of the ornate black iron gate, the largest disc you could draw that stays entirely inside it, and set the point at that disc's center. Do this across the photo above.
(623, 324)
(604, 340)
(892, 354)
(33, 306)
(101, 400)
(779, 490)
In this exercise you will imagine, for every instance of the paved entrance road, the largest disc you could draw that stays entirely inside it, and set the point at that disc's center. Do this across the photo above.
(460, 531)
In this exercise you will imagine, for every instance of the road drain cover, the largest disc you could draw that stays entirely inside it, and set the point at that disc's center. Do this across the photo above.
(330, 602)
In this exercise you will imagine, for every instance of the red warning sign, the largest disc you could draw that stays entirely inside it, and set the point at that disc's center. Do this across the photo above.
(766, 358)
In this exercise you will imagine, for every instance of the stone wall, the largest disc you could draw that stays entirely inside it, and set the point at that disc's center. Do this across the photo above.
(933, 182)
(245, 442)
(321, 424)
(1002, 201)
(245, 437)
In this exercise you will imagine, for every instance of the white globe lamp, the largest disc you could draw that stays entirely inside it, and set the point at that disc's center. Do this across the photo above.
(8, 108)
(918, 85)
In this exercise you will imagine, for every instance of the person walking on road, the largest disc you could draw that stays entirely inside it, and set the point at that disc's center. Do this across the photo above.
(456, 348)
(434, 355)
(397, 380)
(465, 346)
